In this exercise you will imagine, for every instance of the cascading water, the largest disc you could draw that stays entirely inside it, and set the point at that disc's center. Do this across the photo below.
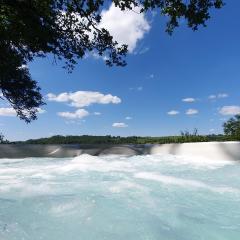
(149, 197)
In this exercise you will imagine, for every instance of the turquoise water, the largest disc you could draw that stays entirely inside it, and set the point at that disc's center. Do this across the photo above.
(149, 197)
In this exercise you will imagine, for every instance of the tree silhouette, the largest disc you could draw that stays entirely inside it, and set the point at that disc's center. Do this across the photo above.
(232, 126)
(69, 29)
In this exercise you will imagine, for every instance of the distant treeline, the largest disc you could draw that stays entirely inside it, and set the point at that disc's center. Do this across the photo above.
(86, 139)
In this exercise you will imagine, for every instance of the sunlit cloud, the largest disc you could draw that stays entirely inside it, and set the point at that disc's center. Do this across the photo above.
(192, 111)
(7, 112)
(97, 113)
(10, 112)
(119, 125)
(218, 96)
(229, 110)
(189, 100)
(173, 112)
(78, 114)
(128, 118)
(139, 88)
(126, 27)
(84, 98)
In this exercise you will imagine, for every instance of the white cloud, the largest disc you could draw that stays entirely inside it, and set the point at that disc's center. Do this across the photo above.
(217, 96)
(189, 100)
(119, 125)
(10, 112)
(229, 110)
(97, 113)
(212, 96)
(139, 88)
(84, 98)
(128, 118)
(78, 114)
(7, 112)
(143, 50)
(173, 112)
(40, 110)
(126, 27)
(151, 76)
(75, 121)
(191, 111)
(96, 56)
(222, 95)
(24, 66)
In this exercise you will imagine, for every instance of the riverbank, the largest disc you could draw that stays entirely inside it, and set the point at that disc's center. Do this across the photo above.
(213, 150)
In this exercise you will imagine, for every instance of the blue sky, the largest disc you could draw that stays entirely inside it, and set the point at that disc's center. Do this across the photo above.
(171, 83)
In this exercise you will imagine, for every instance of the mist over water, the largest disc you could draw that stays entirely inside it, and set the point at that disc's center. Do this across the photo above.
(150, 197)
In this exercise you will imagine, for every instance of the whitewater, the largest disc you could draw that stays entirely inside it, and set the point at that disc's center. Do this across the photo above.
(145, 197)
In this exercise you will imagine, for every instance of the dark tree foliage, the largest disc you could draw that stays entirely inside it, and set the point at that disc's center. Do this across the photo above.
(69, 29)
(17, 86)
(2, 139)
(232, 126)
(86, 139)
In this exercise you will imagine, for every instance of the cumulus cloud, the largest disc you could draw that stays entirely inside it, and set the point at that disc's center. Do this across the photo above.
(222, 95)
(119, 125)
(96, 56)
(191, 111)
(40, 110)
(229, 110)
(173, 112)
(128, 118)
(217, 96)
(139, 88)
(143, 50)
(126, 27)
(78, 114)
(189, 100)
(7, 112)
(84, 98)
(97, 113)
(151, 75)
(212, 96)
(10, 112)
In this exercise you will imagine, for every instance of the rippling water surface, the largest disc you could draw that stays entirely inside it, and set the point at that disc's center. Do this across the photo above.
(150, 197)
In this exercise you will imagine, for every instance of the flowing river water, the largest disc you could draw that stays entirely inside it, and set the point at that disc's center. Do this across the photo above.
(148, 197)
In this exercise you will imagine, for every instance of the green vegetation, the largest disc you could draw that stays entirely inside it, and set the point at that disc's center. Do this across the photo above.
(232, 126)
(68, 30)
(231, 129)
(2, 140)
(86, 139)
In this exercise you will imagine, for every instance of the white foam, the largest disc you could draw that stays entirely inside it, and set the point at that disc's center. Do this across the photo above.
(23, 176)
(124, 185)
(192, 161)
(63, 208)
(170, 180)
(87, 163)
(129, 197)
